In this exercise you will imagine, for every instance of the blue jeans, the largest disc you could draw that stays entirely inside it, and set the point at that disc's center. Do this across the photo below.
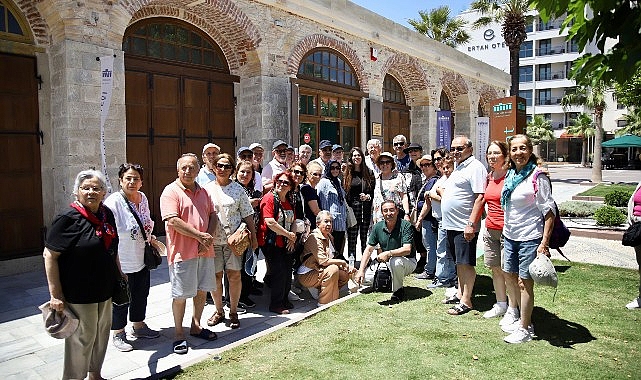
(445, 268)
(429, 241)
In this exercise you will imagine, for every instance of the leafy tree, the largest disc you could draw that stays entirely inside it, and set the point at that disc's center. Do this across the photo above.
(603, 19)
(511, 14)
(633, 118)
(438, 25)
(592, 97)
(539, 129)
(584, 127)
(629, 93)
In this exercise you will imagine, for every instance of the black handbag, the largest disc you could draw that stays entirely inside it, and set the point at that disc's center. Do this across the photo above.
(152, 257)
(121, 294)
(382, 278)
(632, 236)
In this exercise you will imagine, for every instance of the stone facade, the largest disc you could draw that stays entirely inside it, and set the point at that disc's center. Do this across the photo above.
(263, 42)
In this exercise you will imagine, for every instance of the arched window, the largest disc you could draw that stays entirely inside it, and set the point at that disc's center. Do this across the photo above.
(12, 26)
(479, 110)
(392, 90)
(327, 66)
(168, 39)
(444, 104)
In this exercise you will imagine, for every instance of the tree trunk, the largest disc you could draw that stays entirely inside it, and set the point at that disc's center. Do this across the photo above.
(514, 69)
(584, 152)
(597, 175)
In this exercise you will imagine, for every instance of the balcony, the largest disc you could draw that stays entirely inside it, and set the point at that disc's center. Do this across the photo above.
(550, 25)
(552, 75)
(548, 102)
(550, 51)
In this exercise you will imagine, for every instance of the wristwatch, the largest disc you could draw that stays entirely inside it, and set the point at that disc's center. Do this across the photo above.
(470, 224)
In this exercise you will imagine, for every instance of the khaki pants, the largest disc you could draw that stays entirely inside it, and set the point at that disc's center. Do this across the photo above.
(329, 280)
(85, 349)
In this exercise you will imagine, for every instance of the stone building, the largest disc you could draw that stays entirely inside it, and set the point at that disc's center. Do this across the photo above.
(186, 72)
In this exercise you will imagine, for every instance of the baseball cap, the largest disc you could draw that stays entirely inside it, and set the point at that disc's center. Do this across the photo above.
(210, 145)
(243, 149)
(336, 147)
(411, 147)
(253, 146)
(278, 143)
(324, 144)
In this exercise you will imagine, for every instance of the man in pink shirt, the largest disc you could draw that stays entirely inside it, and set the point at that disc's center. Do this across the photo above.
(190, 221)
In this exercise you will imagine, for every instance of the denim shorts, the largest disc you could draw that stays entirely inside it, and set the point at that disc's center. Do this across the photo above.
(518, 255)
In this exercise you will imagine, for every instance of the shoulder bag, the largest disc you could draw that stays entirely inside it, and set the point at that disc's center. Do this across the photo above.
(632, 236)
(152, 256)
(239, 240)
(382, 278)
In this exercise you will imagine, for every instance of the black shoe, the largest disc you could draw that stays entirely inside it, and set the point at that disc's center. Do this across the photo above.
(246, 303)
(288, 305)
(420, 265)
(398, 295)
(255, 292)
(424, 276)
(257, 284)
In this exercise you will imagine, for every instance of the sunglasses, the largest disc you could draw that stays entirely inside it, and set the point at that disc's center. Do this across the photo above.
(224, 166)
(438, 158)
(246, 156)
(399, 143)
(298, 172)
(334, 168)
(326, 150)
(426, 165)
(315, 174)
(282, 182)
(457, 148)
(385, 162)
(281, 151)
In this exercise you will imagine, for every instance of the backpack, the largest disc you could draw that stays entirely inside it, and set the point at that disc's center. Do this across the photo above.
(382, 278)
(560, 233)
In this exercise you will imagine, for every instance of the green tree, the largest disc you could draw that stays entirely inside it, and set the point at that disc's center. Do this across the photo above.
(616, 19)
(629, 93)
(584, 127)
(511, 14)
(633, 118)
(592, 97)
(539, 129)
(438, 25)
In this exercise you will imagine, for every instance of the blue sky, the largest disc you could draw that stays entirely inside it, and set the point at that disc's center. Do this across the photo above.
(401, 10)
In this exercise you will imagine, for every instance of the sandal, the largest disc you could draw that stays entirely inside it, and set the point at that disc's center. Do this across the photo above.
(180, 347)
(234, 323)
(205, 334)
(216, 318)
(459, 309)
(452, 300)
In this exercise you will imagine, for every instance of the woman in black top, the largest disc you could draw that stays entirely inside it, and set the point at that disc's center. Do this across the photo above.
(358, 182)
(81, 263)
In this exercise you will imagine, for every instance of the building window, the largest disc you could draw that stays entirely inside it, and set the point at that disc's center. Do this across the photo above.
(525, 74)
(573, 46)
(8, 22)
(444, 103)
(545, 47)
(166, 39)
(526, 49)
(527, 95)
(307, 105)
(544, 97)
(392, 90)
(529, 27)
(544, 72)
(327, 66)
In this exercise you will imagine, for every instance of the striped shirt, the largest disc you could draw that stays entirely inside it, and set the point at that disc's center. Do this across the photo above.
(329, 200)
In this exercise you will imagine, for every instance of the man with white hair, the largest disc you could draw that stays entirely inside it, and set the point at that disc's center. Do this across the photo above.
(304, 153)
(374, 149)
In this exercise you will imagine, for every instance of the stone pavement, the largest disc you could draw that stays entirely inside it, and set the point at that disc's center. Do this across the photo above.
(27, 352)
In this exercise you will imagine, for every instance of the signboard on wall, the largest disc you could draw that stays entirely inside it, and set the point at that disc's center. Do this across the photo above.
(482, 137)
(507, 117)
(444, 129)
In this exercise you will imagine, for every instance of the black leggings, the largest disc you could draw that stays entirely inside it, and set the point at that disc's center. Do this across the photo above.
(137, 307)
(363, 220)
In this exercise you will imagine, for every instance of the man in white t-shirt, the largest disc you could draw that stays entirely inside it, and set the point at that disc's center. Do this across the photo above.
(374, 149)
(276, 165)
(462, 206)
(206, 173)
(324, 153)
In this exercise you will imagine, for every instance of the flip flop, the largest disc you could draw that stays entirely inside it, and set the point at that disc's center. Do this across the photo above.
(180, 347)
(205, 334)
(459, 309)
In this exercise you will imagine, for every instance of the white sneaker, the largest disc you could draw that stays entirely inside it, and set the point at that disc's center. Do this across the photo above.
(635, 304)
(521, 335)
(293, 296)
(515, 326)
(120, 342)
(314, 292)
(495, 311)
(296, 289)
(511, 316)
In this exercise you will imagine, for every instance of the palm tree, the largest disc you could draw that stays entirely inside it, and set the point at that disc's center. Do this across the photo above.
(633, 126)
(592, 97)
(583, 126)
(539, 129)
(438, 25)
(511, 14)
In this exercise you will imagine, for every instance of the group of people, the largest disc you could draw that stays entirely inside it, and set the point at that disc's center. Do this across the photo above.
(414, 211)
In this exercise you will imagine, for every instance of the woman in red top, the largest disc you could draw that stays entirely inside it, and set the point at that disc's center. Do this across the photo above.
(277, 240)
(497, 159)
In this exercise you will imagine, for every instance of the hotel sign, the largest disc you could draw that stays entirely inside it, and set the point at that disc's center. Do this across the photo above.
(507, 117)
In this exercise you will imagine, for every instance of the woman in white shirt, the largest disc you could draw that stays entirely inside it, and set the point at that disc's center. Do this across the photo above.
(131, 250)
(529, 211)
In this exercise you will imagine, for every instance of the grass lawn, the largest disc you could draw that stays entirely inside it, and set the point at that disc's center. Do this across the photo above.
(602, 189)
(586, 333)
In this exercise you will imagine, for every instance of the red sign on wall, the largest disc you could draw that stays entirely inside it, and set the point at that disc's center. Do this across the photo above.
(307, 138)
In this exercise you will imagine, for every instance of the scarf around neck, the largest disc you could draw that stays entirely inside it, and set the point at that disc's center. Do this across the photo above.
(513, 179)
(105, 231)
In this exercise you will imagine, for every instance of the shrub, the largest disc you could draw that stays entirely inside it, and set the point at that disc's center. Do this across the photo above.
(617, 198)
(609, 216)
(579, 209)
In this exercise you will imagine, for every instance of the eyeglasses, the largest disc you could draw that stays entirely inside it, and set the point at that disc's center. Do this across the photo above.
(415, 150)
(327, 150)
(334, 167)
(457, 148)
(385, 162)
(224, 166)
(87, 189)
(298, 172)
(399, 143)
(282, 182)
(244, 156)
(280, 151)
(426, 165)
(315, 174)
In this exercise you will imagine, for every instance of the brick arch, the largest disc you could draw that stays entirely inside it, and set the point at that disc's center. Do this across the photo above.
(454, 85)
(486, 95)
(407, 70)
(35, 21)
(318, 40)
(222, 20)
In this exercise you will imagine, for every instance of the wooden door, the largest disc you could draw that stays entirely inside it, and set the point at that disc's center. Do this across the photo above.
(396, 121)
(21, 220)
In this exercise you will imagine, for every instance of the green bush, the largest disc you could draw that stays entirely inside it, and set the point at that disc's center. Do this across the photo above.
(617, 198)
(609, 216)
(579, 209)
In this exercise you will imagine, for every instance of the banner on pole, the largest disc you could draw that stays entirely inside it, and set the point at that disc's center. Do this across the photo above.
(106, 88)
(443, 129)
(482, 137)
